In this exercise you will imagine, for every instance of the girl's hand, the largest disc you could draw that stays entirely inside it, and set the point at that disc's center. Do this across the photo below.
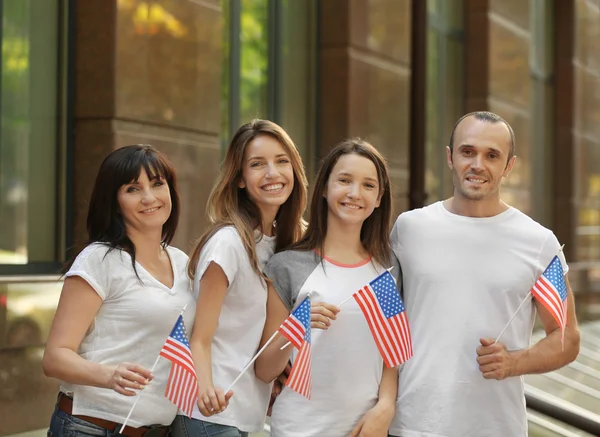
(213, 401)
(127, 376)
(376, 422)
(322, 313)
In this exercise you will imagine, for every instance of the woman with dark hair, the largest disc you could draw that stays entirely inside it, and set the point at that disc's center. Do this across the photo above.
(121, 297)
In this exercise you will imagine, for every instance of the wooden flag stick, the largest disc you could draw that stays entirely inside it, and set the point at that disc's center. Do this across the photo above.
(140, 393)
(262, 349)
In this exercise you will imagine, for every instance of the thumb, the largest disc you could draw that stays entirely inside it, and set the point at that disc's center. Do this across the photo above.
(487, 341)
(357, 429)
(228, 395)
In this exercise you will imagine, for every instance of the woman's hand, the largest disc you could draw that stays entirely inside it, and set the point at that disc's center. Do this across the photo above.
(127, 376)
(213, 401)
(321, 314)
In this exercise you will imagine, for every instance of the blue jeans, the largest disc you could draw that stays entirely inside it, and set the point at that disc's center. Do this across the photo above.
(64, 425)
(183, 426)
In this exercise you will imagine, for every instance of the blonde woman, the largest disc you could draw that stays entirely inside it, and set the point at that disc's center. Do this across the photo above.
(256, 209)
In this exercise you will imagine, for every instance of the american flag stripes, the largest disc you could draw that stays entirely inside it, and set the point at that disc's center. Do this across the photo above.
(296, 328)
(551, 290)
(182, 386)
(386, 316)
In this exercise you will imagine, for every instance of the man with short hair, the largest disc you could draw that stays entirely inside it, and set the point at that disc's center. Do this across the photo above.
(468, 262)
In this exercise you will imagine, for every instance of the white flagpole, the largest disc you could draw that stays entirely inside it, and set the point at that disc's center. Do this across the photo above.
(253, 360)
(522, 303)
(339, 306)
(140, 393)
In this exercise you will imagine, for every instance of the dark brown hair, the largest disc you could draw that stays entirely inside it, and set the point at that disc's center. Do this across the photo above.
(230, 205)
(375, 231)
(123, 166)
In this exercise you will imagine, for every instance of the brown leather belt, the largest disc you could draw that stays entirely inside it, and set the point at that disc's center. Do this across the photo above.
(65, 403)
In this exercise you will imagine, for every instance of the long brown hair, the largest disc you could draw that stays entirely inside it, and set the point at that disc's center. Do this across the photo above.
(122, 166)
(375, 231)
(229, 205)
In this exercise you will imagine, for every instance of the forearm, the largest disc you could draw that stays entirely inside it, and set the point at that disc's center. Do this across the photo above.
(68, 366)
(388, 387)
(548, 354)
(273, 360)
(201, 353)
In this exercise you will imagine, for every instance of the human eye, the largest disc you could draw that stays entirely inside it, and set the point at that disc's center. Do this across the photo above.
(344, 180)
(131, 189)
(158, 183)
(493, 155)
(467, 152)
(255, 164)
(283, 161)
(370, 185)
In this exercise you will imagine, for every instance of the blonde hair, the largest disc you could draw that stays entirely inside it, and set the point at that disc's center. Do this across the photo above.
(229, 205)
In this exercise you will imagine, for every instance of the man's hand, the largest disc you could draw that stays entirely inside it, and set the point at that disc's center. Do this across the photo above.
(376, 422)
(495, 362)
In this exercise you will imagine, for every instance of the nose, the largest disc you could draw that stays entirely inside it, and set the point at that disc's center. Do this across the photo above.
(272, 171)
(354, 191)
(148, 197)
(477, 162)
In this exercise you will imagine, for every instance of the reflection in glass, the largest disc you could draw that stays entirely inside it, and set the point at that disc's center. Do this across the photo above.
(26, 312)
(253, 60)
(28, 130)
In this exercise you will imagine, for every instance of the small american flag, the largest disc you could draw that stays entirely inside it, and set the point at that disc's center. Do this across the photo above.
(386, 316)
(182, 386)
(551, 290)
(296, 328)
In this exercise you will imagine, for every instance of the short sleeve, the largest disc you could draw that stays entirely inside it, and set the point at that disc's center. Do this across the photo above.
(93, 266)
(225, 248)
(288, 271)
(397, 272)
(551, 248)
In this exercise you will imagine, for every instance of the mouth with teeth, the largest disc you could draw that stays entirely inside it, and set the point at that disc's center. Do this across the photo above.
(150, 210)
(475, 180)
(351, 206)
(273, 188)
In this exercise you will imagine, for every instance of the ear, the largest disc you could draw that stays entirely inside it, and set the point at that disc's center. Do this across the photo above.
(241, 184)
(449, 157)
(509, 166)
(378, 201)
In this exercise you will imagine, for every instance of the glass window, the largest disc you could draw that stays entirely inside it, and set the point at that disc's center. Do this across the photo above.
(510, 89)
(445, 85)
(586, 65)
(28, 131)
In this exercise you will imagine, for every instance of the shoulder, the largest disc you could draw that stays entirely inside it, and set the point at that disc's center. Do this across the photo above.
(417, 215)
(178, 256)
(293, 260)
(227, 235)
(96, 253)
(527, 225)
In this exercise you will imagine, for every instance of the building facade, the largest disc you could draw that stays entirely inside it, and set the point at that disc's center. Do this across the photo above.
(80, 78)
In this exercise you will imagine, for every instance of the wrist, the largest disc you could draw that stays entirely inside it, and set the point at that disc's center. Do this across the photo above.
(107, 375)
(516, 358)
(387, 405)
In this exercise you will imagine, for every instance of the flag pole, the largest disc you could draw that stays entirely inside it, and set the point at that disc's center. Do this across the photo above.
(522, 303)
(140, 393)
(339, 306)
(253, 360)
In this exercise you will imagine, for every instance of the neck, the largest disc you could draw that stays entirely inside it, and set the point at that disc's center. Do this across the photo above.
(147, 244)
(267, 218)
(342, 243)
(475, 208)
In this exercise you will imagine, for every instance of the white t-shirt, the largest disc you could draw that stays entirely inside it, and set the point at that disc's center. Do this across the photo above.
(463, 279)
(346, 364)
(132, 325)
(239, 329)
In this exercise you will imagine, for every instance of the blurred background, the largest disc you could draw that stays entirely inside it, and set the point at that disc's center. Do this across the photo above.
(79, 78)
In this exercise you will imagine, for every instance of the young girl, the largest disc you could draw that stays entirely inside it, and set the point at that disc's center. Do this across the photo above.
(345, 247)
(255, 209)
(121, 297)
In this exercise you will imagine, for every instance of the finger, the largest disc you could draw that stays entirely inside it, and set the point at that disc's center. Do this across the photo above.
(485, 350)
(214, 401)
(221, 399)
(486, 359)
(356, 430)
(135, 380)
(282, 378)
(319, 325)
(204, 410)
(320, 319)
(489, 368)
(326, 312)
(228, 395)
(487, 341)
(205, 406)
(119, 389)
(142, 371)
(288, 369)
(491, 375)
(331, 307)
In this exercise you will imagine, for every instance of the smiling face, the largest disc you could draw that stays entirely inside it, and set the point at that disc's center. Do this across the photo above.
(352, 191)
(267, 174)
(145, 204)
(479, 159)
